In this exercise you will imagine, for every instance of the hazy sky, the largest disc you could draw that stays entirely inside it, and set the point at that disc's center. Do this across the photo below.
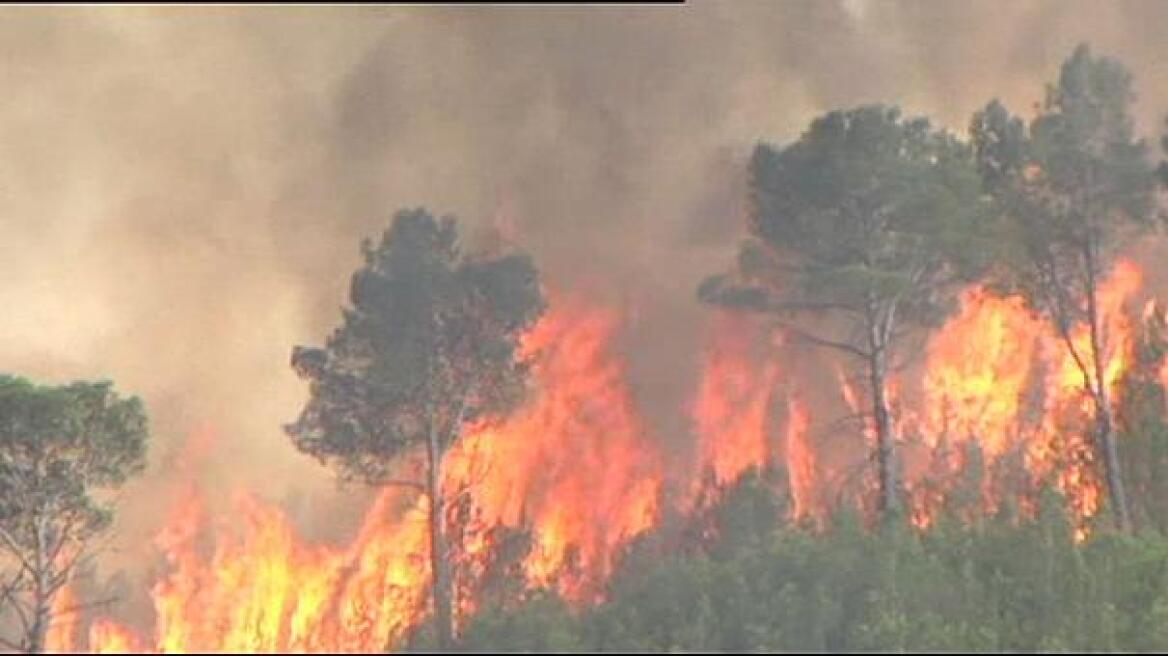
(183, 189)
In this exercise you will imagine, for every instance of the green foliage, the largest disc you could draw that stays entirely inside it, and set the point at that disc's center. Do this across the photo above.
(742, 516)
(1073, 185)
(61, 448)
(58, 445)
(428, 344)
(1144, 428)
(543, 623)
(999, 585)
(866, 204)
(868, 218)
(871, 217)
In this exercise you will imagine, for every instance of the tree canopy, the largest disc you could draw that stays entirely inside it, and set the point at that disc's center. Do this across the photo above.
(1074, 185)
(866, 218)
(60, 448)
(429, 341)
(865, 204)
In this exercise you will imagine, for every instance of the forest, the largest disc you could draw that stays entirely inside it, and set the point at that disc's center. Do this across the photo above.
(931, 415)
(873, 219)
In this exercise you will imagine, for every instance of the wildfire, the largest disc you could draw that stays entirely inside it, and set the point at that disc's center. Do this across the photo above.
(978, 368)
(62, 634)
(578, 463)
(734, 417)
(985, 369)
(579, 473)
(575, 467)
(731, 411)
(801, 463)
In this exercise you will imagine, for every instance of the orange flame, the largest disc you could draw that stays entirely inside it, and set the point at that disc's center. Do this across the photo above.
(989, 358)
(731, 411)
(62, 633)
(108, 637)
(578, 469)
(577, 462)
(732, 416)
(575, 465)
(801, 463)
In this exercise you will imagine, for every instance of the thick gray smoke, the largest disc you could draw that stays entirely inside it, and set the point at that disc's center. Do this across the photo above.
(182, 190)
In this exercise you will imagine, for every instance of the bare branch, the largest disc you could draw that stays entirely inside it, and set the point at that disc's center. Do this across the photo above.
(67, 568)
(826, 343)
(1088, 381)
(9, 593)
(15, 550)
(809, 306)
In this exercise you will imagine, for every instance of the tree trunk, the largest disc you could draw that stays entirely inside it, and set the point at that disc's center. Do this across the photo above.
(42, 611)
(1107, 439)
(878, 328)
(38, 630)
(441, 588)
(1105, 436)
(882, 415)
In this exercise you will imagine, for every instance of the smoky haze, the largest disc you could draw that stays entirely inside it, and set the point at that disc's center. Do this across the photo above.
(183, 189)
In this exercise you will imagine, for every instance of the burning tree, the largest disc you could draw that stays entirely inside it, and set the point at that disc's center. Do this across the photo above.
(428, 345)
(1074, 185)
(1143, 425)
(864, 221)
(58, 446)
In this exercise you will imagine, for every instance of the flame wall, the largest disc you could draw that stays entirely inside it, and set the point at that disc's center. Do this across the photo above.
(185, 190)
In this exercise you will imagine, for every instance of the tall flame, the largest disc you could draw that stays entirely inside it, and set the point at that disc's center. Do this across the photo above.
(578, 472)
(575, 466)
(802, 465)
(577, 463)
(733, 416)
(1004, 379)
(732, 410)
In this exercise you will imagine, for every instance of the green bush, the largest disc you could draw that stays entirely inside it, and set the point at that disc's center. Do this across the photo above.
(996, 585)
